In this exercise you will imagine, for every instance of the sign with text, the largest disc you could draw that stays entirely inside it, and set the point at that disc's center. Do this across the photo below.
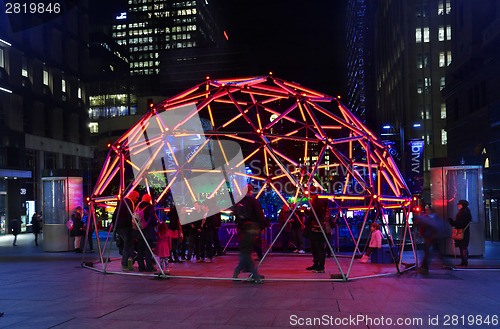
(414, 160)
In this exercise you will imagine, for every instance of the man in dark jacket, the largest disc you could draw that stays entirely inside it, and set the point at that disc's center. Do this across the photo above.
(316, 235)
(36, 226)
(462, 221)
(143, 252)
(15, 229)
(195, 232)
(287, 230)
(249, 209)
(435, 231)
(248, 233)
(124, 226)
(206, 235)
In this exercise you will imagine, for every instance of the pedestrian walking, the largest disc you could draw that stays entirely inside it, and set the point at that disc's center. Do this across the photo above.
(15, 229)
(36, 226)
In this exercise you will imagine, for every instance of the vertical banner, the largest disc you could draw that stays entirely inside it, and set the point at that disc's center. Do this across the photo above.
(414, 160)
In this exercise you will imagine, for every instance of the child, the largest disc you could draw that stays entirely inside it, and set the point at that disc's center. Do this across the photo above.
(163, 246)
(375, 242)
(247, 236)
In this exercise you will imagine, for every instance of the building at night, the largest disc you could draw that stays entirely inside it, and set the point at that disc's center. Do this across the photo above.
(360, 61)
(44, 118)
(154, 51)
(412, 50)
(472, 98)
(150, 31)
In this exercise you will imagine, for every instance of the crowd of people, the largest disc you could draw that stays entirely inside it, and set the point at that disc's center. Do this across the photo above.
(172, 241)
(194, 236)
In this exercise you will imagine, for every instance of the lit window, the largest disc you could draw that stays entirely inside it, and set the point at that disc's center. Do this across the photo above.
(448, 6)
(444, 137)
(419, 86)
(2, 59)
(443, 111)
(419, 61)
(442, 59)
(94, 127)
(448, 58)
(427, 83)
(63, 84)
(441, 33)
(487, 163)
(428, 113)
(80, 92)
(418, 35)
(448, 32)
(440, 8)
(442, 83)
(426, 34)
(24, 70)
(45, 76)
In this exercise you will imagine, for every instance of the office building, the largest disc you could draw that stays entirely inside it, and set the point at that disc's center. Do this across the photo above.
(43, 114)
(473, 101)
(412, 50)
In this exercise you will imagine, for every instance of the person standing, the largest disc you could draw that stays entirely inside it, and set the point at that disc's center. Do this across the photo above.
(462, 221)
(15, 229)
(207, 227)
(144, 256)
(85, 219)
(286, 228)
(194, 232)
(217, 224)
(36, 226)
(185, 232)
(163, 246)
(77, 231)
(124, 227)
(319, 206)
(176, 233)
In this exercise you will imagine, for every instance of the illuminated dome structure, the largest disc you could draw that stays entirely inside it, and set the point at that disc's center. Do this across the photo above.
(283, 138)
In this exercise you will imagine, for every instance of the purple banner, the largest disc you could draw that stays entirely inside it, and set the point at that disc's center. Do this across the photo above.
(414, 160)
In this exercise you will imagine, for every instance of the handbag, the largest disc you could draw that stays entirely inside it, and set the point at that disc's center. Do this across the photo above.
(458, 233)
(70, 224)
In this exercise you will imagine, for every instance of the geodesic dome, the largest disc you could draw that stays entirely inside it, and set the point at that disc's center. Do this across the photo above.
(213, 139)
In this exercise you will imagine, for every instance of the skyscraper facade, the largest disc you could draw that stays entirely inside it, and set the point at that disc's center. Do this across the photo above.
(151, 28)
(43, 115)
(472, 98)
(360, 61)
(413, 49)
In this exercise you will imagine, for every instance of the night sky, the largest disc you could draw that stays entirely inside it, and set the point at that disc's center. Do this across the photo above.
(302, 41)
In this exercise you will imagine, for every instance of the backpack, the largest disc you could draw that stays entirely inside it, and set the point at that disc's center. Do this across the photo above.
(241, 213)
(138, 216)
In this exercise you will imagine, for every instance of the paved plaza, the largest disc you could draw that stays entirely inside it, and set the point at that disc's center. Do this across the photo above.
(52, 290)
